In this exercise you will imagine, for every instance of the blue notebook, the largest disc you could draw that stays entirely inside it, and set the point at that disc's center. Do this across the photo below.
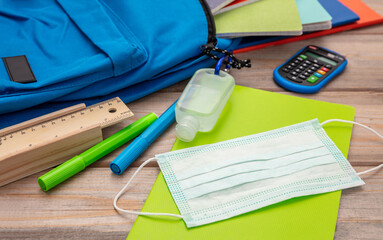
(313, 16)
(340, 14)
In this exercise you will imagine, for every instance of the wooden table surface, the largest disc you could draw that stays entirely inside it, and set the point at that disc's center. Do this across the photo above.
(82, 208)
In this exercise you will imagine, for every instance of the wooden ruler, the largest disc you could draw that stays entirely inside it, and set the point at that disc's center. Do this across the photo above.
(47, 141)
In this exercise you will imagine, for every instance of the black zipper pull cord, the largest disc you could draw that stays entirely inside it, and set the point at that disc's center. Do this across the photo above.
(234, 63)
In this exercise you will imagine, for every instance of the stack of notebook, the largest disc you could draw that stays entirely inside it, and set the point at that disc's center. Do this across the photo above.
(260, 23)
(271, 18)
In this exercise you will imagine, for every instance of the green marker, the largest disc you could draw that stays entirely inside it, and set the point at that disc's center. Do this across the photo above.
(80, 162)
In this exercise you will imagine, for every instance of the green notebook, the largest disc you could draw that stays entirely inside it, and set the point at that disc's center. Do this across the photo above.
(263, 18)
(251, 111)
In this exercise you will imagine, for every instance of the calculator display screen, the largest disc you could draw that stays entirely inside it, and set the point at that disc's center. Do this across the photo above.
(326, 60)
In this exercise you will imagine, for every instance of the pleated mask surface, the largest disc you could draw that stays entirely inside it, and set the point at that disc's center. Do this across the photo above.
(218, 181)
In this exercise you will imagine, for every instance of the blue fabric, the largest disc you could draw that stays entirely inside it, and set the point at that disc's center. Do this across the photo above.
(127, 95)
(96, 50)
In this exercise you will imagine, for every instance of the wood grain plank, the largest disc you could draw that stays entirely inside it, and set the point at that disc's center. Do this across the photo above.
(360, 211)
(363, 72)
(376, 5)
(82, 209)
(86, 198)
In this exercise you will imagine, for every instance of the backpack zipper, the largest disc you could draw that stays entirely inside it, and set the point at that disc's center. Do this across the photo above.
(210, 46)
(211, 39)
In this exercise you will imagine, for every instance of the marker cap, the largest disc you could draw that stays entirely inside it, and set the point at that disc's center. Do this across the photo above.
(61, 173)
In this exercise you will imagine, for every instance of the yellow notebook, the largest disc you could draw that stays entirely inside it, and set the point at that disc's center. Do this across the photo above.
(251, 111)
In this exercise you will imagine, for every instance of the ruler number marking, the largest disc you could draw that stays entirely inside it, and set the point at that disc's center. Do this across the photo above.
(109, 105)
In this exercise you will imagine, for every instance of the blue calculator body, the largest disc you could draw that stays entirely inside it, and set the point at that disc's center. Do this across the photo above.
(310, 69)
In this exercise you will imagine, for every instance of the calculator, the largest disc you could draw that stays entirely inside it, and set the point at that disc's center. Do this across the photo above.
(310, 69)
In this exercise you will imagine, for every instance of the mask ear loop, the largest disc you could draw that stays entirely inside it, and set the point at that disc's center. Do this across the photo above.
(134, 212)
(364, 126)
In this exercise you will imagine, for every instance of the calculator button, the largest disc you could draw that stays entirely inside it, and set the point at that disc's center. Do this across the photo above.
(316, 65)
(300, 59)
(310, 71)
(285, 70)
(303, 56)
(308, 62)
(296, 61)
(313, 68)
(294, 73)
(312, 79)
(298, 70)
(321, 72)
(305, 65)
(302, 68)
(303, 76)
(289, 67)
(328, 66)
(317, 75)
(294, 78)
(325, 69)
(315, 61)
(293, 64)
(307, 74)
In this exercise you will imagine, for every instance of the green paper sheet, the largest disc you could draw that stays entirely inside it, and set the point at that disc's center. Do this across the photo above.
(251, 111)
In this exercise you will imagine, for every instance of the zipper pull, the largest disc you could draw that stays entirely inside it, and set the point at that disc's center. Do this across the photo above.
(231, 60)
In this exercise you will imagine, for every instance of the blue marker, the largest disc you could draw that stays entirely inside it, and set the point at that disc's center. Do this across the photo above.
(142, 142)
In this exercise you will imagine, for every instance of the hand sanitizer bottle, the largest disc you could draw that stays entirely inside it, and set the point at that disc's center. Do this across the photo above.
(202, 102)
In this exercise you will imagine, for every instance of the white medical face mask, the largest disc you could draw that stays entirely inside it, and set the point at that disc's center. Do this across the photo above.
(218, 181)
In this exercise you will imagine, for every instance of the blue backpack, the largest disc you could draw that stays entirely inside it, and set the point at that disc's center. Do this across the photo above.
(57, 53)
